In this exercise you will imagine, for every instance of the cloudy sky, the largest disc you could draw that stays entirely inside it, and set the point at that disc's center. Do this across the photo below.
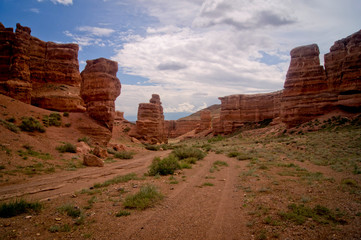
(190, 52)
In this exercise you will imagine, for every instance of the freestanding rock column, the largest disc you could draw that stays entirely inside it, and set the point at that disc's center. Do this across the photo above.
(99, 89)
(150, 124)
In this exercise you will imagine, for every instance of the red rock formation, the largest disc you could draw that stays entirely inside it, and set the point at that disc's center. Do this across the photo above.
(310, 91)
(206, 121)
(150, 123)
(99, 89)
(176, 128)
(44, 74)
(239, 109)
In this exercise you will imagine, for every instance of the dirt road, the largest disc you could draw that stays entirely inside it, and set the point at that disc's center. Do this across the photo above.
(204, 204)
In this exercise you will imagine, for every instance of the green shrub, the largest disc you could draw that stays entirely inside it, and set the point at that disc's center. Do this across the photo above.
(10, 125)
(117, 179)
(66, 147)
(54, 119)
(67, 125)
(30, 124)
(127, 129)
(220, 163)
(65, 114)
(152, 147)
(216, 139)
(188, 152)
(124, 155)
(18, 207)
(70, 210)
(233, 154)
(122, 213)
(85, 139)
(147, 197)
(164, 166)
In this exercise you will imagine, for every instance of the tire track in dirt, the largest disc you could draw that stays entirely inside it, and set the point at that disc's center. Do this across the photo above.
(45, 187)
(193, 211)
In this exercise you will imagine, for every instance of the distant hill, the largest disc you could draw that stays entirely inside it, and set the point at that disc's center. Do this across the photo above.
(215, 112)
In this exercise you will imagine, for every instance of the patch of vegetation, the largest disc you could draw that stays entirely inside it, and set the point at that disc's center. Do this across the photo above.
(116, 180)
(299, 214)
(124, 155)
(54, 119)
(30, 152)
(122, 213)
(164, 166)
(30, 124)
(18, 207)
(152, 147)
(67, 125)
(147, 197)
(207, 184)
(220, 163)
(85, 139)
(233, 154)
(70, 210)
(9, 125)
(6, 149)
(73, 164)
(65, 114)
(217, 138)
(188, 152)
(127, 129)
(59, 228)
(66, 147)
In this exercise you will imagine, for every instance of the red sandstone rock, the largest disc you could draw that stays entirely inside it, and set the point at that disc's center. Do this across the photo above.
(100, 152)
(206, 121)
(92, 161)
(44, 74)
(150, 124)
(176, 128)
(82, 148)
(239, 109)
(311, 91)
(100, 87)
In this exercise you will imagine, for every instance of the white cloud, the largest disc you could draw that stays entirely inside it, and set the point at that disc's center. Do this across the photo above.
(96, 31)
(34, 10)
(204, 49)
(64, 2)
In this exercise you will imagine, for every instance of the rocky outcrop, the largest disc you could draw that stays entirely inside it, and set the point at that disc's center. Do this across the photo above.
(99, 89)
(176, 128)
(150, 123)
(311, 91)
(239, 109)
(44, 74)
(91, 160)
(206, 121)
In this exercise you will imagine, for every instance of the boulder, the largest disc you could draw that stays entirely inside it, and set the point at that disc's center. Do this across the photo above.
(82, 148)
(92, 161)
(100, 152)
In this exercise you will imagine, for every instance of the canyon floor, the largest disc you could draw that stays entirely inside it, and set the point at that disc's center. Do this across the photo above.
(264, 183)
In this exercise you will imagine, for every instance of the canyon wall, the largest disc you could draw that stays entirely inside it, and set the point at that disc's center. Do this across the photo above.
(43, 74)
(311, 90)
(239, 109)
(150, 122)
(99, 89)
(176, 128)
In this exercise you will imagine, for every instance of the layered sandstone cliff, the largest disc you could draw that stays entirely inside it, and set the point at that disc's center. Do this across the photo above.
(176, 128)
(99, 89)
(239, 109)
(150, 123)
(311, 90)
(44, 74)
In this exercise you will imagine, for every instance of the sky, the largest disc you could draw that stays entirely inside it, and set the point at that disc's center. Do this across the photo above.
(190, 52)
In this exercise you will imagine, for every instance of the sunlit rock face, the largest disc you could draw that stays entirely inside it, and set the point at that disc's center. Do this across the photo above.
(150, 123)
(45, 74)
(99, 89)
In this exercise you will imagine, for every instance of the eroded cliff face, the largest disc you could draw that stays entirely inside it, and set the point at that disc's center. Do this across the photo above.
(150, 122)
(239, 109)
(176, 128)
(43, 74)
(310, 90)
(99, 89)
